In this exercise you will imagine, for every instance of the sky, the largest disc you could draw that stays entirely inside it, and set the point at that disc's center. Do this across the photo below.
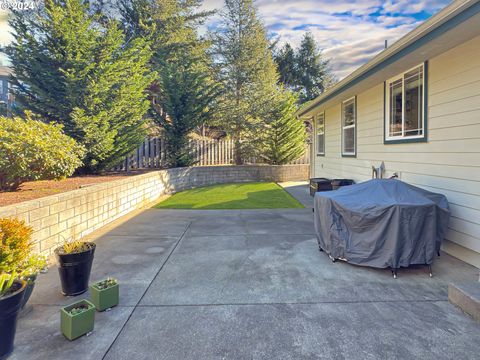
(4, 33)
(350, 32)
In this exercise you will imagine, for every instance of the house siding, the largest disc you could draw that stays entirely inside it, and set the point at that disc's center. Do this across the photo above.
(3, 88)
(448, 163)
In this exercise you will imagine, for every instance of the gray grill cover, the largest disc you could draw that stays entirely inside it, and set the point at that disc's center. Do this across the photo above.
(381, 223)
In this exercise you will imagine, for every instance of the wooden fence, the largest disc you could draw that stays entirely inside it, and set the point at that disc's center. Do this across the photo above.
(152, 154)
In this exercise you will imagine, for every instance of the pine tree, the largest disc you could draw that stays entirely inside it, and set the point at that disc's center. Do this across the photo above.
(247, 72)
(284, 135)
(171, 25)
(183, 94)
(312, 75)
(186, 96)
(72, 69)
(286, 63)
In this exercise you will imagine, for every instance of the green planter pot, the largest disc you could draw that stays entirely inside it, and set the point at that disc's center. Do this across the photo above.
(74, 326)
(105, 298)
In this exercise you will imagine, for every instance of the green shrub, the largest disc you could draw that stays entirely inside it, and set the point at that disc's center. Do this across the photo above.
(15, 244)
(33, 150)
(17, 260)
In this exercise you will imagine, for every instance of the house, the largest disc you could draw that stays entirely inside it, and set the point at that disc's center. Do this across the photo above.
(4, 74)
(415, 106)
(6, 98)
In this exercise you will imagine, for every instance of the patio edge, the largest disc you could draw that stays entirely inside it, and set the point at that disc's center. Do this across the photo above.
(466, 296)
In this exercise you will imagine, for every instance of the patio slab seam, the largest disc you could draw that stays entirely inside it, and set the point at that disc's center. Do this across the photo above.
(247, 235)
(273, 303)
(295, 303)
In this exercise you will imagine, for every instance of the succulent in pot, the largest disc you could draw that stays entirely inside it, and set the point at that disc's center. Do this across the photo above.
(15, 255)
(104, 294)
(74, 262)
(77, 319)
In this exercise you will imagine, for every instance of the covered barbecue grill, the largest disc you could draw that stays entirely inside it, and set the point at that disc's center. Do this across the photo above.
(381, 223)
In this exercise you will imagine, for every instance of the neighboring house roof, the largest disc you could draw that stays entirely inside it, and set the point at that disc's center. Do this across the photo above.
(455, 24)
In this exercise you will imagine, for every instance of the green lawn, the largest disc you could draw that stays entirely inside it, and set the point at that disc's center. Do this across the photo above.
(261, 195)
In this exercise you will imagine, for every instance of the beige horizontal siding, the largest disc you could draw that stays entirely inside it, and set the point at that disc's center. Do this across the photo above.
(448, 163)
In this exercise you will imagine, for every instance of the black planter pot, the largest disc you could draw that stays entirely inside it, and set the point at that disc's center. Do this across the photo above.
(74, 270)
(9, 307)
(28, 290)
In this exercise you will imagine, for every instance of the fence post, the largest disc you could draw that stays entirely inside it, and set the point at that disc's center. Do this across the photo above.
(222, 152)
(197, 154)
(155, 150)
(210, 152)
(149, 142)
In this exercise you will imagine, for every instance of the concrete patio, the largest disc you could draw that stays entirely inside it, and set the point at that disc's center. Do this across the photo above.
(250, 284)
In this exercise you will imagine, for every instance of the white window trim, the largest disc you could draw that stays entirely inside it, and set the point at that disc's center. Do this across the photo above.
(387, 106)
(321, 115)
(354, 153)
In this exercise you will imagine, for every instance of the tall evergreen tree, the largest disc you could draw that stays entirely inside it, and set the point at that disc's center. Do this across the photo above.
(183, 94)
(284, 135)
(171, 25)
(186, 97)
(286, 63)
(247, 72)
(311, 70)
(72, 69)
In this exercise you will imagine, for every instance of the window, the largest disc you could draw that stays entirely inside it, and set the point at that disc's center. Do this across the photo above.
(320, 123)
(405, 106)
(349, 122)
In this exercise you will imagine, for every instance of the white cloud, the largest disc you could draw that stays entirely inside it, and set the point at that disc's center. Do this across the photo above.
(5, 36)
(350, 32)
(410, 7)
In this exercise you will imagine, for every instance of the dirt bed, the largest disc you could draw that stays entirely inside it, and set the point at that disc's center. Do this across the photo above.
(37, 189)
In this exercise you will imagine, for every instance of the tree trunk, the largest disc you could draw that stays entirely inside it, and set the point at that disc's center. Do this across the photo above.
(237, 152)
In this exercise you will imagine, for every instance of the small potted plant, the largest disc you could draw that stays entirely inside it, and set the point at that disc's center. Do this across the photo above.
(77, 319)
(104, 294)
(74, 262)
(18, 238)
(15, 251)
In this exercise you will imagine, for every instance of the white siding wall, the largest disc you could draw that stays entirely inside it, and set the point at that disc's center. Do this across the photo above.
(449, 163)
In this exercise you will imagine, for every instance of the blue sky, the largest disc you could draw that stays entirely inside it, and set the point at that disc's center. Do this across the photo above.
(350, 32)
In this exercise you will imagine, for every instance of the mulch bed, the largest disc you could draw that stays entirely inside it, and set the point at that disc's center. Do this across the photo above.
(37, 189)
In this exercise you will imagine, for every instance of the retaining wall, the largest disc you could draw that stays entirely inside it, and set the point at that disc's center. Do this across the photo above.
(74, 214)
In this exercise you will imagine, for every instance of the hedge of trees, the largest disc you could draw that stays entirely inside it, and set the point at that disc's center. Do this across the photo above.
(107, 80)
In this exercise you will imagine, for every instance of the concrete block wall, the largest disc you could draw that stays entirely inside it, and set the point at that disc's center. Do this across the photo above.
(74, 214)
